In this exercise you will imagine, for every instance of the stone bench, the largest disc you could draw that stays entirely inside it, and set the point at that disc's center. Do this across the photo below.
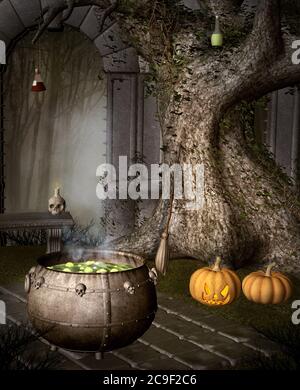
(53, 224)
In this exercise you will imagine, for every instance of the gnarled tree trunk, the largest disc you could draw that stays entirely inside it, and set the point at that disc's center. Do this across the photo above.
(249, 211)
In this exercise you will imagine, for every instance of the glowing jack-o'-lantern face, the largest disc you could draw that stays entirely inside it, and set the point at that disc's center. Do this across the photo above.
(213, 296)
(215, 286)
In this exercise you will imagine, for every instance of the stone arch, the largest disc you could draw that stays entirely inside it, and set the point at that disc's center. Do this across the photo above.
(19, 16)
(132, 125)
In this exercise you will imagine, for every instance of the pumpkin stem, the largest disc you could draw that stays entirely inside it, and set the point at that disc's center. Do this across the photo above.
(270, 266)
(216, 266)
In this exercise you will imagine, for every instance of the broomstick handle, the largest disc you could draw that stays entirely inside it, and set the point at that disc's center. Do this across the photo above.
(170, 211)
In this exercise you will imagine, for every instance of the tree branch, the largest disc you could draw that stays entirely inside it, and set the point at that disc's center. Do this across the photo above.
(260, 50)
(106, 13)
(50, 12)
(264, 43)
(225, 7)
(282, 73)
(67, 14)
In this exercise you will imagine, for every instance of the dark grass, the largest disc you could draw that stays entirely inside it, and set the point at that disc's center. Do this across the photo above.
(16, 261)
(288, 359)
(282, 361)
(15, 352)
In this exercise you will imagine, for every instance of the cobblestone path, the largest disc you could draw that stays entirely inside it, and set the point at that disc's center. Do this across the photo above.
(181, 337)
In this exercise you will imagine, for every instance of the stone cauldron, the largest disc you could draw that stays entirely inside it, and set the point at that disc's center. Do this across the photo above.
(91, 312)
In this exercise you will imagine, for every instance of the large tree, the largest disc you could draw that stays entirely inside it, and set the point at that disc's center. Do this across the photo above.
(251, 211)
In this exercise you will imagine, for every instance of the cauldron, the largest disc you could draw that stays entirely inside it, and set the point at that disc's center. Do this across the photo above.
(91, 312)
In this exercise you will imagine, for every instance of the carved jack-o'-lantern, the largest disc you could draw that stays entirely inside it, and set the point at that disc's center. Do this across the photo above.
(215, 286)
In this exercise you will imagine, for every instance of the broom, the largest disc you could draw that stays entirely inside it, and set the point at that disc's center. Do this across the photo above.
(162, 255)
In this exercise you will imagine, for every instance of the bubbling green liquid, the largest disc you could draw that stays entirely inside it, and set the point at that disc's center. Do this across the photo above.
(90, 267)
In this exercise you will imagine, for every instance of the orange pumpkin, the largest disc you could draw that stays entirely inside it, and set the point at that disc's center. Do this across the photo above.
(215, 286)
(267, 287)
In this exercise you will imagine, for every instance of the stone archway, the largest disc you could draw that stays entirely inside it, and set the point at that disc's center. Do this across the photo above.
(125, 81)
(19, 16)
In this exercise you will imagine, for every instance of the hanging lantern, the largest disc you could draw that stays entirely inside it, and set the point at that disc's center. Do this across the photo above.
(217, 36)
(38, 84)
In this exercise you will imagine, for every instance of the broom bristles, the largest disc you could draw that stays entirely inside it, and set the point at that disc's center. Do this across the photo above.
(162, 255)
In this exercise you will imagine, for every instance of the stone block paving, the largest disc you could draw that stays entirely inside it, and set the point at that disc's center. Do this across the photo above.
(180, 338)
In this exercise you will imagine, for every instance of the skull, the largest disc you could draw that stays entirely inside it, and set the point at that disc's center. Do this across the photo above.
(57, 204)
(80, 289)
(129, 288)
(39, 282)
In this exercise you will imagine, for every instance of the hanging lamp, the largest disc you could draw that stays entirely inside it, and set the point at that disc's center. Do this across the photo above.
(38, 84)
(217, 36)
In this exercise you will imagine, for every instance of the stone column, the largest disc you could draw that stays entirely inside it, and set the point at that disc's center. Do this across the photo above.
(2, 181)
(54, 242)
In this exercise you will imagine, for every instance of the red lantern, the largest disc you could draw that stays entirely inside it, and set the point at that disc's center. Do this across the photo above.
(38, 84)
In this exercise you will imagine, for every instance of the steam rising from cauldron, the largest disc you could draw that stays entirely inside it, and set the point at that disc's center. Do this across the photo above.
(76, 253)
